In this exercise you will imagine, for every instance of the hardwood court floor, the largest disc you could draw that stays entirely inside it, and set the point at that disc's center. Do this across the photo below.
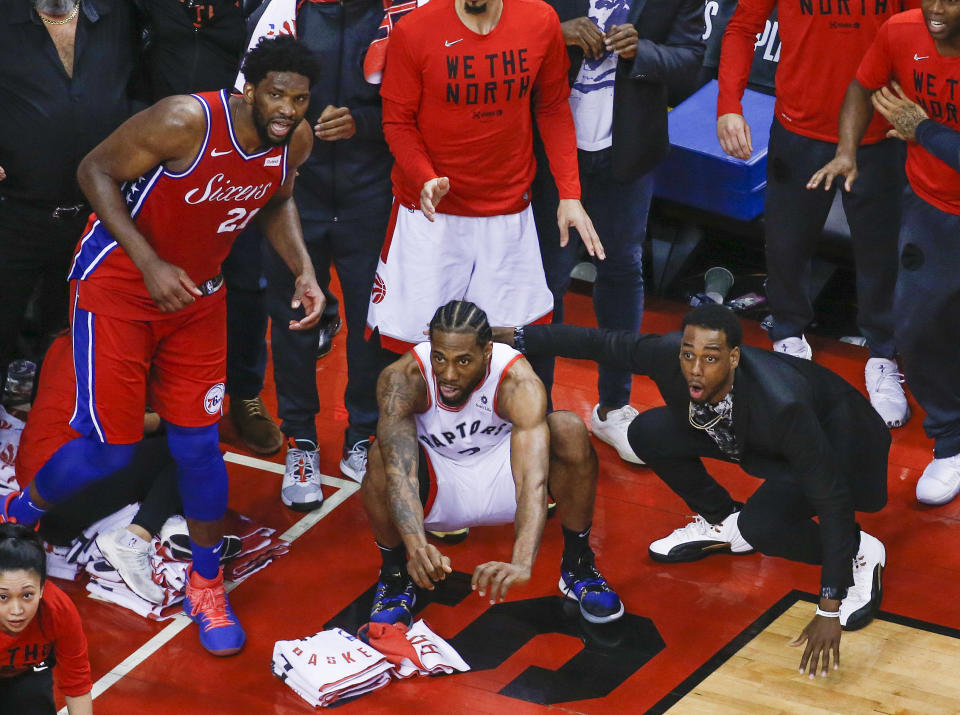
(703, 637)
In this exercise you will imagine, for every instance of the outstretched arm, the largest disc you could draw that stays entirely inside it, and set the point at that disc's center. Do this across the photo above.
(401, 393)
(641, 354)
(522, 399)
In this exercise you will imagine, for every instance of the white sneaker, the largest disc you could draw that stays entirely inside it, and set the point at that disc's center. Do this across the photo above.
(300, 489)
(354, 461)
(886, 395)
(700, 538)
(940, 481)
(175, 537)
(798, 347)
(863, 598)
(613, 430)
(130, 556)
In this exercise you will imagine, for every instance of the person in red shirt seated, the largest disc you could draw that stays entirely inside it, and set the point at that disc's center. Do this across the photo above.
(40, 628)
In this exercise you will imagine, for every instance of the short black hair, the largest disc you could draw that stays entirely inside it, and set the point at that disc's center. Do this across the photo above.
(22, 550)
(716, 317)
(462, 316)
(280, 54)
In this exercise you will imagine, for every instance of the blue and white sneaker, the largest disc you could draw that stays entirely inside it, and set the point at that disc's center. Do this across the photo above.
(207, 605)
(394, 600)
(585, 584)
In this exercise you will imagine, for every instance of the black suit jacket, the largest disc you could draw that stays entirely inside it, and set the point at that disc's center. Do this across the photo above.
(793, 420)
(669, 52)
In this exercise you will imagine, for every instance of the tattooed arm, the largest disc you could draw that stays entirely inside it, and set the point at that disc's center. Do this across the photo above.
(903, 113)
(401, 394)
(522, 399)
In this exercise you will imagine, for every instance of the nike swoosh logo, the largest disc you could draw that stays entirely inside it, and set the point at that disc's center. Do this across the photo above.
(917, 57)
(447, 43)
(214, 152)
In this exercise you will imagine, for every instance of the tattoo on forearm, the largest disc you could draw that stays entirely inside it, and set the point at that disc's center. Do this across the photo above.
(395, 395)
(398, 444)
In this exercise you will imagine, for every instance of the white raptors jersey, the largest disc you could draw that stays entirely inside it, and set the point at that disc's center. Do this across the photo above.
(466, 433)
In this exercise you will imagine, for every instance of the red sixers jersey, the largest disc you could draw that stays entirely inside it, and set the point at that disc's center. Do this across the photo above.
(190, 218)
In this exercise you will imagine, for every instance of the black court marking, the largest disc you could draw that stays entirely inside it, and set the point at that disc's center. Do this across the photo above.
(755, 628)
(449, 592)
(611, 653)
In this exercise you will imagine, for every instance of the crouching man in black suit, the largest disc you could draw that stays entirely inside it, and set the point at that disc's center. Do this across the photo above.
(815, 440)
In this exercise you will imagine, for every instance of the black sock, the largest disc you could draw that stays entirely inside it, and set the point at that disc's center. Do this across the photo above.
(575, 545)
(393, 559)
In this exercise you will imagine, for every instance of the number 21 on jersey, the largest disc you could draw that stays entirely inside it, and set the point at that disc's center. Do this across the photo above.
(237, 220)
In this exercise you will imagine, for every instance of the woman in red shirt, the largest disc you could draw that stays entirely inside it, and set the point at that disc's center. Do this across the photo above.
(39, 629)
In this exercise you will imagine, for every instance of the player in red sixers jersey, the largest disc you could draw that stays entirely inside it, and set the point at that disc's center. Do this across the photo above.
(172, 187)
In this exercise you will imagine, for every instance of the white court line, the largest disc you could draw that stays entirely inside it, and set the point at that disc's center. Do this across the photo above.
(345, 488)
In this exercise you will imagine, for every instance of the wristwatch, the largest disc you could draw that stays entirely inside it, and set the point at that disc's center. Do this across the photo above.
(833, 593)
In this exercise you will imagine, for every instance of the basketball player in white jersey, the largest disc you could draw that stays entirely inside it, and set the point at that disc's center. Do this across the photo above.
(464, 440)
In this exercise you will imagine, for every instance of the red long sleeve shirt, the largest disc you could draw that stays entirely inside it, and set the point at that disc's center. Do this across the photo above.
(904, 51)
(55, 630)
(822, 43)
(457, 104)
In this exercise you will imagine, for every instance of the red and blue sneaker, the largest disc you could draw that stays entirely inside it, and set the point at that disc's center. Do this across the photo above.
(6, 508)
(394, 600)
(585, 584)
(206, 604)
(5, 517)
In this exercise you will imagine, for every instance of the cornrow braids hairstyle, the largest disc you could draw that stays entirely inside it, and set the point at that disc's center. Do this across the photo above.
(280, 54)
(462, 316)
(22, 550)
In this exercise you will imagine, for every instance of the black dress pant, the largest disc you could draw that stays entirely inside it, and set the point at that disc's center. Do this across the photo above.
(35, 251)
(776, 520)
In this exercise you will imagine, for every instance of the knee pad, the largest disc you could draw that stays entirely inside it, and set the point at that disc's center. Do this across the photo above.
(201, 472)
(79, 463)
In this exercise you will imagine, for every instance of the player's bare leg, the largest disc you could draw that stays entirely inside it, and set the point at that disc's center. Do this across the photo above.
(573, 483)
(572, 480)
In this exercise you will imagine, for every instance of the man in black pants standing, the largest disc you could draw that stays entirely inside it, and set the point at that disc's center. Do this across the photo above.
(817, 442)
(64, 71)
(343, 197)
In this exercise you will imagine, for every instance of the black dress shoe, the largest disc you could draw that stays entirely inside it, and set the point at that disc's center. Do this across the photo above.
(328, 328)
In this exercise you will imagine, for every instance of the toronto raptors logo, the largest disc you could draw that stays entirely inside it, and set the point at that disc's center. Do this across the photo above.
(379, 291)
(213, 400)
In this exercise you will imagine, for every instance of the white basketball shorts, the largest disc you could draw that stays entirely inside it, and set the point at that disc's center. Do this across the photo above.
(493, 261)
(470, 492)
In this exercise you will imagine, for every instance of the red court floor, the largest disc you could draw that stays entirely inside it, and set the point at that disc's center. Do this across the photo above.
(531, 653)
